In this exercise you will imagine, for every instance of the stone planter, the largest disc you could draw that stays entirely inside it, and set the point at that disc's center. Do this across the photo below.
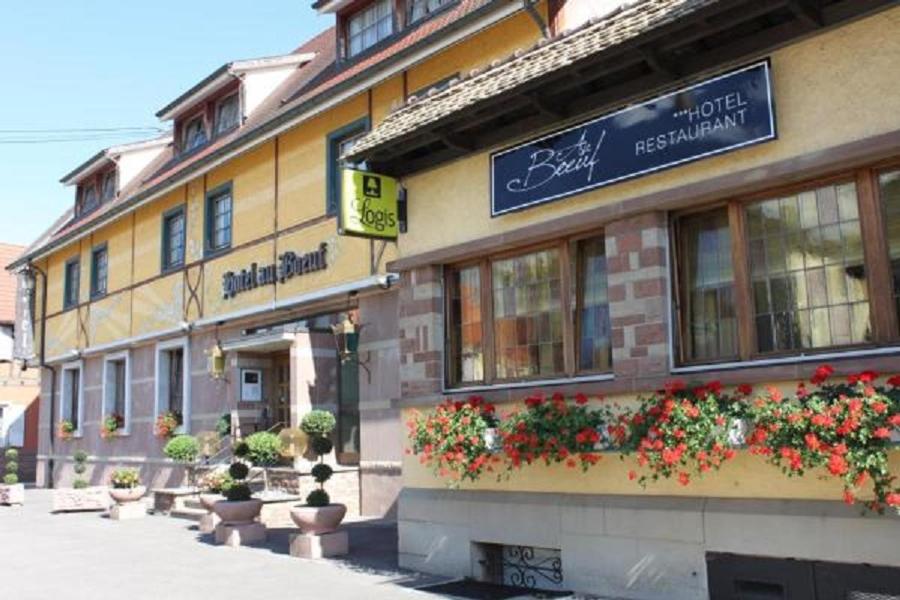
(12, 494)
(127, 495)
(317, 520)
(70, 499)
(208, 501)
(237, 513)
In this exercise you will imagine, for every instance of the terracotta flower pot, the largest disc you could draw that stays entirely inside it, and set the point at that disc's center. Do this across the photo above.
(233, 513)
(126, 495)
(208, 500)
(318, 519)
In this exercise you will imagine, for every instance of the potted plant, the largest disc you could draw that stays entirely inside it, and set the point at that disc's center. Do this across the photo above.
(111, 425)
(126, 486)
(319, 515)
(66, 429)
(81, 496)
(239, 507)
(184, 449)
(167, 424)
(263, 450)
(212, 486)
(12, 492)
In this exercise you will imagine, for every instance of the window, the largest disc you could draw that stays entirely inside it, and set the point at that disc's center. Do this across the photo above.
(99, 271)
(537, 315)
(89, 199)
(419, 9)
(228, 114)
(889, 184)
(194, 134)
(72, 392)
(173, 380)
(339, 142)
(790, 273)
(117, 389)
(109, 187)
(369, 26)
(218, 219)
(72, 281)
(173, 239)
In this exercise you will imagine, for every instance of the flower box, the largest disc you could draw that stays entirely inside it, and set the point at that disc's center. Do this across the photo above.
(12, 494)
(85, 499)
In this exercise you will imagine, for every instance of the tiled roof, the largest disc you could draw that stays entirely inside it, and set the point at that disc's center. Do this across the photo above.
(313, 83)
(526, 66)
(8, 253)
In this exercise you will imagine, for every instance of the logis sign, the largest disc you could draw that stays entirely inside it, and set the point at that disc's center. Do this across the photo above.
(369, 205)
(289, 265)
(714, 116)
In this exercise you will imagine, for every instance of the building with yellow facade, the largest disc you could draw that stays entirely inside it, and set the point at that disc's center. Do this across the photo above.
(599, 197)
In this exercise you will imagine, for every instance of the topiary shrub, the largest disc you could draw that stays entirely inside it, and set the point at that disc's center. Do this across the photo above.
(241, 449)
(79, 484)
(238, 470)
(263, 448)
(322, 472)
(182, 448)
(80, 468)
(12, 467)
(12, 454)
(318, 498)
(223, 425)
(318, 423)
(321, 446)
(238, 492)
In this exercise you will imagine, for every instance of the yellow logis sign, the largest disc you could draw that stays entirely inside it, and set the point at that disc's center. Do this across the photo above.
(368, 205)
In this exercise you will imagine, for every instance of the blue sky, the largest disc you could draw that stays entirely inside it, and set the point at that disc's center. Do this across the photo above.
(112, 64)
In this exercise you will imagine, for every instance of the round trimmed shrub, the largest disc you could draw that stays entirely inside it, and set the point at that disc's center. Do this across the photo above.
(238, 470)
(12, 454)
(321, 445)
(79, 484)
(80, 456)
(322, 472)
(264, 448)
(318, 423)
(241, 449)
(182, 448)
(10, 479)
(238, 492)
(318, 498)
(12, 466)
(80, 468)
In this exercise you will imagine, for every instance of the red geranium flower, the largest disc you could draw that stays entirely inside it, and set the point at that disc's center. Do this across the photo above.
(881, 433)
(822, 374)
(745, 389)
(894, 381)
(581, 399)
(837, 465)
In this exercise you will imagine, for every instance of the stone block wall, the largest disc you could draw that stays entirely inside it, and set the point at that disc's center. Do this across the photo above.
(421, 328)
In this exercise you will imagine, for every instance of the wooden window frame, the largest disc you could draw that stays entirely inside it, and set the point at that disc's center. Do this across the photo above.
(182, 142)
(68, 293)
(166, 234)
(567, 248)
(237, 97)
(873, 229)
(347, 36)
(333, 167)
(209, 226)
(96, 291)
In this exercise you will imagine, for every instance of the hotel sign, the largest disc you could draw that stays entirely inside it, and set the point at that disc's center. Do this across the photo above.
(714, 116)
(369, 206)
(289, 265)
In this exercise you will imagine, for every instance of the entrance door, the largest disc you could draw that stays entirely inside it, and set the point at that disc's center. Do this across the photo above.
(280, 400)
(348, 410)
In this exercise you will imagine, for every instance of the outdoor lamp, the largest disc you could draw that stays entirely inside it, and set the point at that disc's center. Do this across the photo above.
(346, 337)
(217, 361)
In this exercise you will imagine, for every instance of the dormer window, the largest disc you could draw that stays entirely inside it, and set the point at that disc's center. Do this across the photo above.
(419, 9)
(369, 26)
(228, 114)
(109, 187)
(194, 134)
(89, 199)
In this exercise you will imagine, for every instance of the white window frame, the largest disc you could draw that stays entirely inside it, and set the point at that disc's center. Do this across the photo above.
(107, 395)
(65, 401)
(240, 114)
(161, 378)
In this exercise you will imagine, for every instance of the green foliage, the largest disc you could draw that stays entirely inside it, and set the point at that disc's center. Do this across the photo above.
(79, 468)
(12, 454)
(12, 466)
(318, 423)
(238, 492)
(322, 472)
(182, 448)
(79, 484)
(10, 479)
(80, 456)
(318, 498)
(223, 425)
(238, 470)
(215, 482)
(241, 449)
(321, 445)
(125, 479)
(264, 448)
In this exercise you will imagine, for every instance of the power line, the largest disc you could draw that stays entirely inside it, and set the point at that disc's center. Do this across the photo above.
(85, 130)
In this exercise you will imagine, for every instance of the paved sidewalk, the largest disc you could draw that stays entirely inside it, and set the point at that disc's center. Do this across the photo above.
(86, 556)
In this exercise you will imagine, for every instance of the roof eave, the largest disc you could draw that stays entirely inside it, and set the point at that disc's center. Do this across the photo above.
(86, 168)
(214, 81)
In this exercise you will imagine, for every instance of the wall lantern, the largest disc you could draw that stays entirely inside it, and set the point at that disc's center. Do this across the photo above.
(216, 361)
(346, 338)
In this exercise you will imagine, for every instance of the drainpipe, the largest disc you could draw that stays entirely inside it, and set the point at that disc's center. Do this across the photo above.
(43, 365)
(536, 16)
